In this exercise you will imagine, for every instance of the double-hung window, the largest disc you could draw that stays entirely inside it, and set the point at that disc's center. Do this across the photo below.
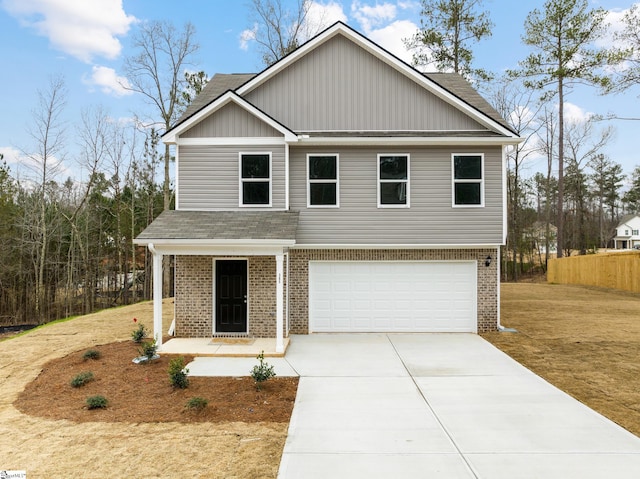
(323, 189)
(393, 181)
(468, 180)
(255, 179)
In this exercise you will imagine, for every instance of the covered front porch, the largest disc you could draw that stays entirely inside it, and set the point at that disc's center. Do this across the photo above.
(230, 280)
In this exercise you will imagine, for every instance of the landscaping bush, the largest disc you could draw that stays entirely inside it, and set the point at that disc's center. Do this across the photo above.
(196, 404)
(262, 372)
(140, 333)
(96, 402)
(91, 354)
(149, 349)
(178, 373)
(82, 379)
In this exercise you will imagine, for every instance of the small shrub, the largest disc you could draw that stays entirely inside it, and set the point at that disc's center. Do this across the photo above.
(196, 404)
(96, 402)
(262, 372)
(91, 354)
(138, 334)
(82, 379)
(149, 349)
(178, 373)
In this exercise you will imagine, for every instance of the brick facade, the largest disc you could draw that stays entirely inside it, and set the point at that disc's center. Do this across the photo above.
(194, 287)
(194, 296)
(299, 273)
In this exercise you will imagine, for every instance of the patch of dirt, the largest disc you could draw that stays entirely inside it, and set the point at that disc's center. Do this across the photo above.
(583, 340)
(142, 393)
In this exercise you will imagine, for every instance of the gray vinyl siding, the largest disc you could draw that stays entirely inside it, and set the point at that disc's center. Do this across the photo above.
(430, 220)
(208, 176)
(340, 86)
(231, 121)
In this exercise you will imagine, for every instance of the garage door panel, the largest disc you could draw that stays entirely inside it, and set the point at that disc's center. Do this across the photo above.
(392, 296)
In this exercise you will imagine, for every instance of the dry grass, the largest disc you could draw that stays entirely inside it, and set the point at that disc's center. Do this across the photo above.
(584, 340)
(61, 448)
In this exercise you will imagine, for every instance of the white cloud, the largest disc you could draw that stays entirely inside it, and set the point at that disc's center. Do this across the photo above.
(575, 114)
(615, 19)
(247, 36)
(108, 81)
(390, 38)
(320, 16)
(11, 155)
(370, 17)
(80, 28)
(323, 15)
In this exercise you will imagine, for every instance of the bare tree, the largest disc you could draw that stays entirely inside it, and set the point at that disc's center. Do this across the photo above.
(92, 136)
(47, 131)
(279, 30)
(516, 104)
(582, 145)
(156, 72)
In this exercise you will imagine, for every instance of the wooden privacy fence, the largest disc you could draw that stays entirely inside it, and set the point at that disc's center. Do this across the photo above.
(607, 270)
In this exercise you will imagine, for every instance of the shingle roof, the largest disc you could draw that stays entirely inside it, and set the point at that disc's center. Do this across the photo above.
(452, 82)
(461, 88)
(225, 225)
(219, 84)
(625, 219)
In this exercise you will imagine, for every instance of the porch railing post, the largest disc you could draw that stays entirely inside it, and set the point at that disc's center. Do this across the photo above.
(157, 294)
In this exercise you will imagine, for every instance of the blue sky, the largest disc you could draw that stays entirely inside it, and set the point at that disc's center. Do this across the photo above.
(86, 42)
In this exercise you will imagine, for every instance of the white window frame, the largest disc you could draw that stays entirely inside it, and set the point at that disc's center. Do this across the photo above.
(454, 180)
(336, 181)
(242, 180)
(407, 182)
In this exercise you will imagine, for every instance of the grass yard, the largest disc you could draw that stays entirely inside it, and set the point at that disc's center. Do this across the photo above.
(584, 340)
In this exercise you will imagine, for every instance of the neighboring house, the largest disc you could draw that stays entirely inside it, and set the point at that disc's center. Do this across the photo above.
(537, 234)
(338, 190)
(627, 233)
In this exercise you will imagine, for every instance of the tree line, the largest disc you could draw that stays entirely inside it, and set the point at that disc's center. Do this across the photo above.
(67, 242)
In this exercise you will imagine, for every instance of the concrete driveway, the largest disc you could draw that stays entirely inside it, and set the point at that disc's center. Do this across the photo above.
(438, 405)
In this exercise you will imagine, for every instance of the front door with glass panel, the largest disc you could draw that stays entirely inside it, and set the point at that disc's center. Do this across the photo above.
(231, 296)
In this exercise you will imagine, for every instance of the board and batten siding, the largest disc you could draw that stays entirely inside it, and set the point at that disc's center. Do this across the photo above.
(430, 219)
(340, 86)
(209, 176)
(231, 121)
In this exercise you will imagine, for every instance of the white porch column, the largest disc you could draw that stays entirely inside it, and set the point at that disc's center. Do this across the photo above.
(157, 295)
(279, 303)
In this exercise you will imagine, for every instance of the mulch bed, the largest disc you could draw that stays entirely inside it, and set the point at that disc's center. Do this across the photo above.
(138, 393)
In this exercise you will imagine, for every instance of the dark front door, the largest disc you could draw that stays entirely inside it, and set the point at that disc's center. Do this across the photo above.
(231, 296)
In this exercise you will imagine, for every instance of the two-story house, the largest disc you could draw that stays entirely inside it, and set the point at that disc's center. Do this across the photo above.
(338, 190)
(627, 233)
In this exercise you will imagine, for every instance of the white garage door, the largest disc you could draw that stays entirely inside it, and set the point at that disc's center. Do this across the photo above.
(368, 296)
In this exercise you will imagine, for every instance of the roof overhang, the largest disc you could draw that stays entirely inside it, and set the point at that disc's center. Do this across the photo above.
(185, 232)
(409, 141)
(234, 248)
(171, 137)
